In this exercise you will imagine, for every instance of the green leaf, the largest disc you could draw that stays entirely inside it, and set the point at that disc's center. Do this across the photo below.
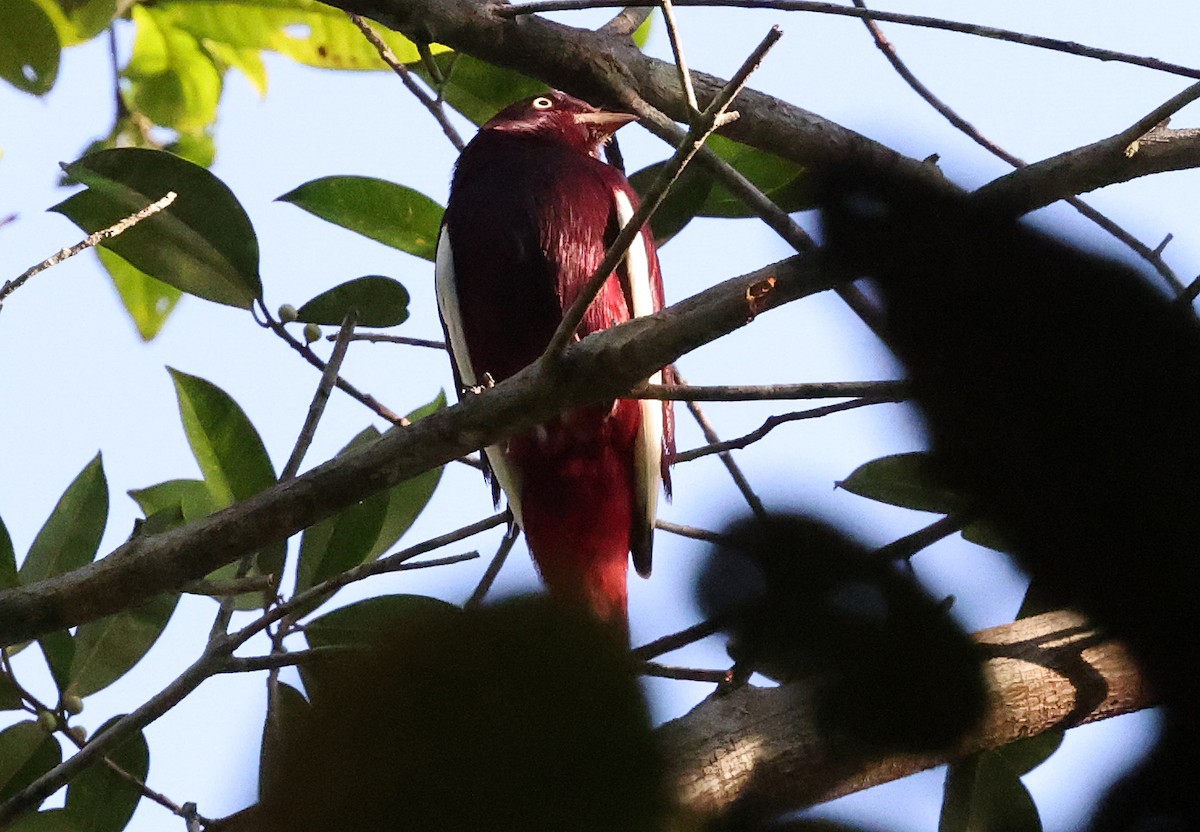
(249, 61)
(59, 649)
(304, 30)
(203, 243)
(228, 449)
(191, 497)
(106, 649)
(682, 203)
(54, 820)
(29, 47)
(197, 147)
(902, 480)
(787, 184)
(88, 18)
(8, 560)
(1023, 756)
(407, 500)
(379, 302)
(10, 694)
(479, 90)
(147, 300)
(983, 794)
(344, 540)
(286, 717)
(71, 536)
(983, 533)
(101, 800)
(26, 753)
(172, 80)
(383, 211)
(362, 623)
(642, 33)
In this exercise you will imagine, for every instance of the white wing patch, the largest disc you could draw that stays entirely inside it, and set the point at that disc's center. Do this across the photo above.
(447, 300)
(648, 447)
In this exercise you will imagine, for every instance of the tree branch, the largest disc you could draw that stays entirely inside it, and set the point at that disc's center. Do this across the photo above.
(763, 744)
(601, 366)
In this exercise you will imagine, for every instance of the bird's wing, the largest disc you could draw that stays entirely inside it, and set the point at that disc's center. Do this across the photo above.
(640, 270)
(502, 474)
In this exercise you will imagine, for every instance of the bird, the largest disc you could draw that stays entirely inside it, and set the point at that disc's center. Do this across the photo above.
(531, 212)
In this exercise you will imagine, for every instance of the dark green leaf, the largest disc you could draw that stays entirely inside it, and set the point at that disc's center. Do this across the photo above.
(983, 533)
(71, 536)
(147, 300)
(683, 201)
(379, 301)
(384, 211)
(407, 500)
(364, 622)
(26, 753)
(88, 17)
(8, 560)
(1037, 601)
(984, 795)
(227, 447)
(479, 90)
(10, 694)
(29, 46)
(344, 540)
(285, 718)
(202, 244)
(59, 649)
(99, 799)
(902, 480)
(787, 184)
(1023, 756)
(106, 649)
(53, 820)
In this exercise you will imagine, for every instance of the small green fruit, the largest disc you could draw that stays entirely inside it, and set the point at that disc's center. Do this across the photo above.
(78, 732)
(47, 721)
(72, 704)
(288, 313)
(312, 332)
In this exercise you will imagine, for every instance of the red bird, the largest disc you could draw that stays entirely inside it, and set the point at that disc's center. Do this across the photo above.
(531, 213)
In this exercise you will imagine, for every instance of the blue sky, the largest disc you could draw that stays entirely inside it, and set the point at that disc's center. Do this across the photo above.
(77, 379)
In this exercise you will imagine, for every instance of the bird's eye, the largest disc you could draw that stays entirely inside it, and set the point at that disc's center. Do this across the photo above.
(542, 103)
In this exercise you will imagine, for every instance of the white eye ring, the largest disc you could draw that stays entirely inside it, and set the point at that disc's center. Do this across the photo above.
(542, 103)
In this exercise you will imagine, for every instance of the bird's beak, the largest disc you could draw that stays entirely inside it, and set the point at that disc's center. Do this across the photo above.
(604, 122)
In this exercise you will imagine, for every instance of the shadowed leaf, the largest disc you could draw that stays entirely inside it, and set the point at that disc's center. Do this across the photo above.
(378, 301)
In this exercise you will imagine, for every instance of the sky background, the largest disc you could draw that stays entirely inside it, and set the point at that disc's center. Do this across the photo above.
(75, 377)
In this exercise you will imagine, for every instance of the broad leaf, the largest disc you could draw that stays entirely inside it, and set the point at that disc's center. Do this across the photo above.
(147, 300)
(29, 46)
(228, 449)
(285, 718)
(304, 30)
(383, 211)
(172, 79)
(106, 649)
(101, 800)
(10, 694)
(78, 21)
(191, 497)
(8, 560)
(202, 244)
(688, 193)
(983, 794)
(52, 820)
(71, 536)
(1023, 756)
(902, 480)
(362, 623)
(378, 301)
(479, 90)
(59, 649)
(26, 753)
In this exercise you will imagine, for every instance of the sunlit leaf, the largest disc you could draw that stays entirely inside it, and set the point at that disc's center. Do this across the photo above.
(98, 798)
(787, 184)
(203, 243)
(226, 445)
(172, 79)
(106, 649)
(147, 300)
(249, 61)
(26, 753)
(71, 535)
(479, 90)
(88, 17)
(902, 480)
(378, 301)
(29, 46)
(384, 211)
(192, 497)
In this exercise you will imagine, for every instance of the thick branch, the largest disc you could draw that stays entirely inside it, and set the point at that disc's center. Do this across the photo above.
(599, 367)
(763, 745)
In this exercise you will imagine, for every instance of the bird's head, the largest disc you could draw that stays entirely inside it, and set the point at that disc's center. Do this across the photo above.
(562, 118)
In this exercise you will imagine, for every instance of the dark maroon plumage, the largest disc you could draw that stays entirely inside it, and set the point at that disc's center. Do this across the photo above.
(532, 210)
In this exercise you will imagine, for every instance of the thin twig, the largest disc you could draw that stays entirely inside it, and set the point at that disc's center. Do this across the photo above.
(713, 117)
(1152, 256)
(675, 641)
(769, 392)
(685, 75)
(774, 422)
(275, 661)
(735, 471)
(431, 104)
(321, 397)
(690, 532)
(991, 32)
(87, 242)
(489, 575)
(907, 546)
(686, 674)
(381, 338)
